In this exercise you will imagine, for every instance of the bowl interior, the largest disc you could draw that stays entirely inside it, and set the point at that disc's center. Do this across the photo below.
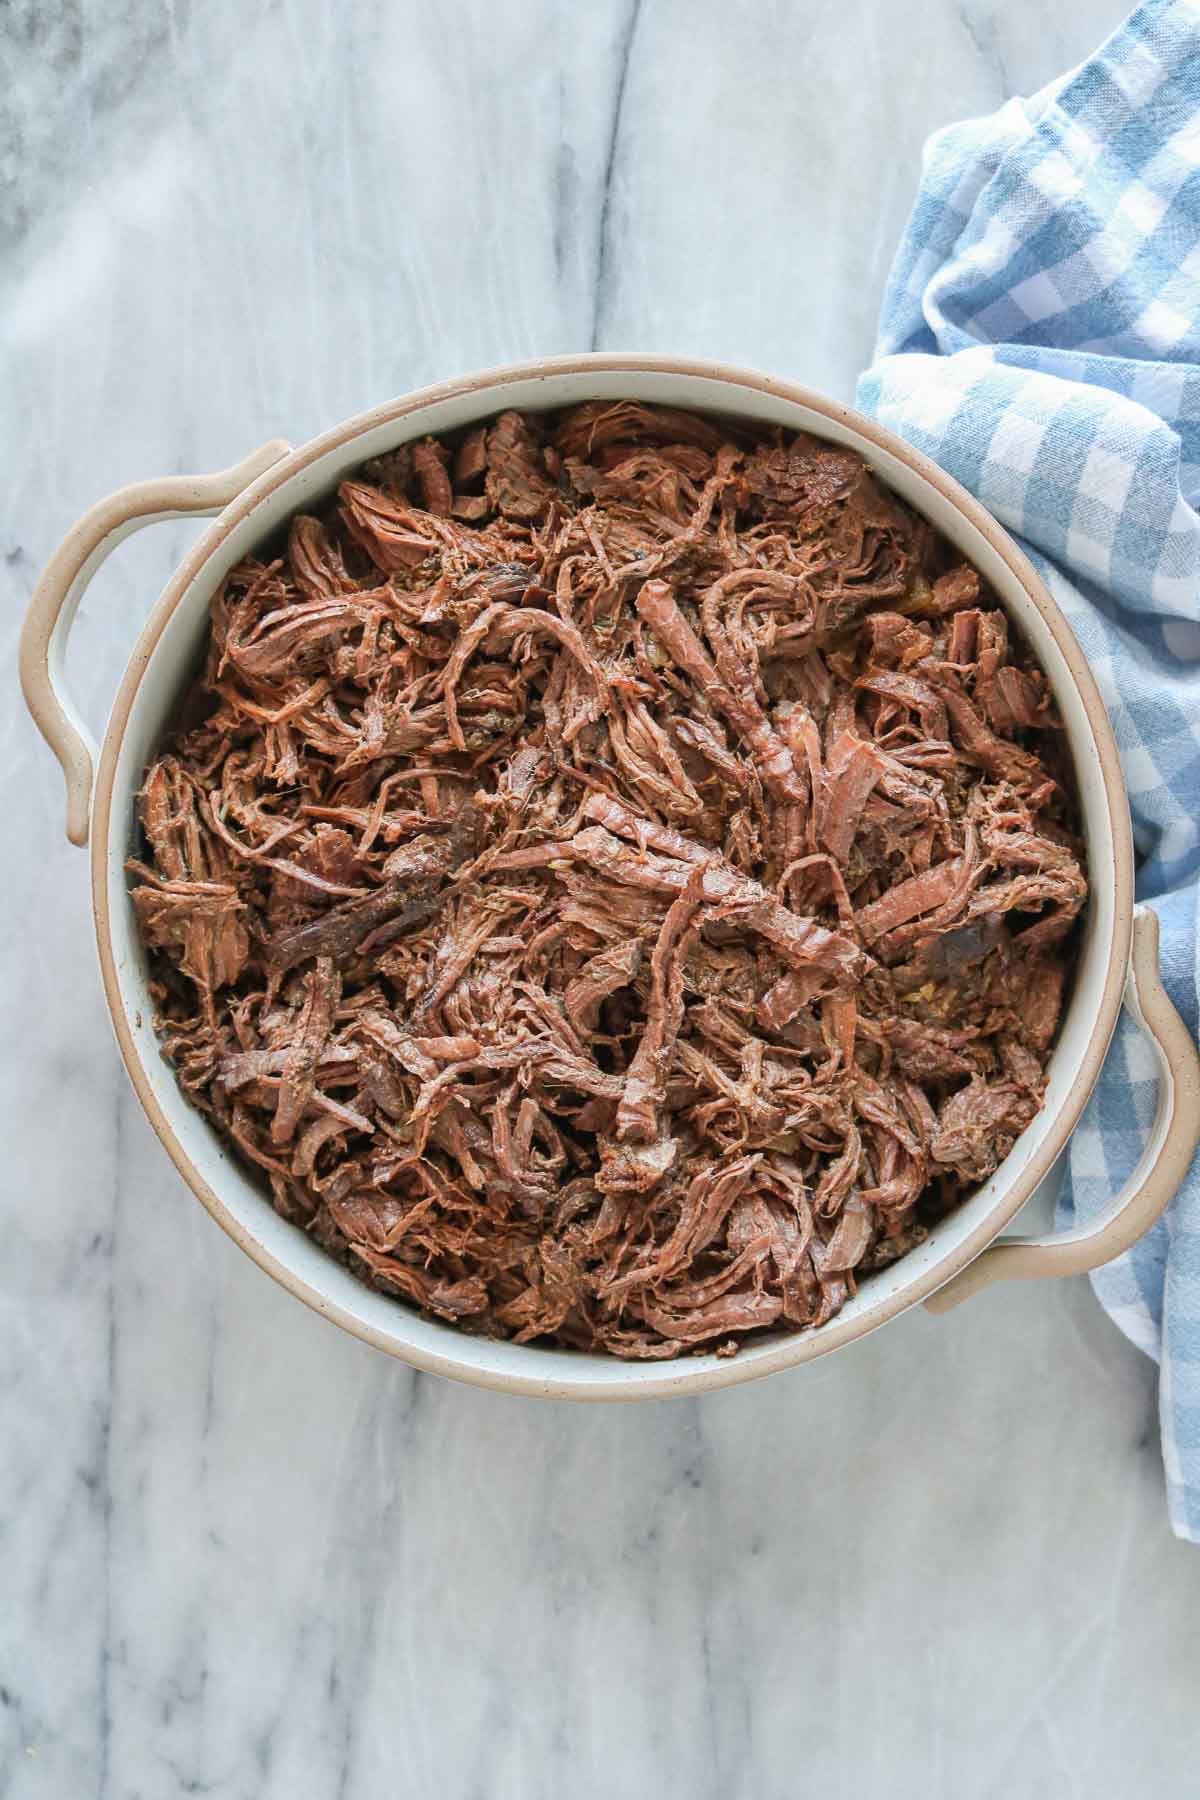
(168, 652)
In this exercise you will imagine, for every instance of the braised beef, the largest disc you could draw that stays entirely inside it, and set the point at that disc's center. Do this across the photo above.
(623, 883)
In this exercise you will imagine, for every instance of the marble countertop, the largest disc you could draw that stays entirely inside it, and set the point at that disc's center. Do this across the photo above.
(241, 1554)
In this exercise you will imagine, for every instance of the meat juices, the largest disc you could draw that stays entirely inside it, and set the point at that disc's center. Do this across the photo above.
(624, 881)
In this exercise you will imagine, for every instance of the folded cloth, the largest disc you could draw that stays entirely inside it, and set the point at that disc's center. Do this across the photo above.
(1040, 339)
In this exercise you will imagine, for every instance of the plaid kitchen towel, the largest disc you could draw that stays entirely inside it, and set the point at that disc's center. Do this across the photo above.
(1040, 339)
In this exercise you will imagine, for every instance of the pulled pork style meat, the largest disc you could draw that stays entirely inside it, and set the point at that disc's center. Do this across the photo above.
(615, 878)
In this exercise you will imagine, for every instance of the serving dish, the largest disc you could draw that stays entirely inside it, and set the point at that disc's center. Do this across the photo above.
(1117, 958)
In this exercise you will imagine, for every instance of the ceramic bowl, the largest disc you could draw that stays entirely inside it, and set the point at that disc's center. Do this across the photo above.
(1118, 953)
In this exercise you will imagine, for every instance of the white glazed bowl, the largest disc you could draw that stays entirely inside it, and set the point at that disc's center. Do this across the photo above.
(167, 652)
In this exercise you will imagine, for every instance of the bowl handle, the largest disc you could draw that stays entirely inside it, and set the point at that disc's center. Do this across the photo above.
(57, 595)
(1160, 1168)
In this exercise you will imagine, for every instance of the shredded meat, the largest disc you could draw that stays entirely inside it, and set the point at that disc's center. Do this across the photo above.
(615, 878)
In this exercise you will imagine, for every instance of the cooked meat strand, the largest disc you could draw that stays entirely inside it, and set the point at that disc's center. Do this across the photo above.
(615, 878)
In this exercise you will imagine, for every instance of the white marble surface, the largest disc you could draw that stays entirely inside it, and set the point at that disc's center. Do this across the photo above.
(240, 1554)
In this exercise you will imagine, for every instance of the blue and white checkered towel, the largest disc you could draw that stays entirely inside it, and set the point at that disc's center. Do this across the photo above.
(1040, 339)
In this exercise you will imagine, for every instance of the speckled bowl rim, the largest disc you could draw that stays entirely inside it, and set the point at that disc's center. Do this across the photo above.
(482, 1361)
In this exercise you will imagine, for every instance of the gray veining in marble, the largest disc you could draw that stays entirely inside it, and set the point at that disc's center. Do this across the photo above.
(241, 1554)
